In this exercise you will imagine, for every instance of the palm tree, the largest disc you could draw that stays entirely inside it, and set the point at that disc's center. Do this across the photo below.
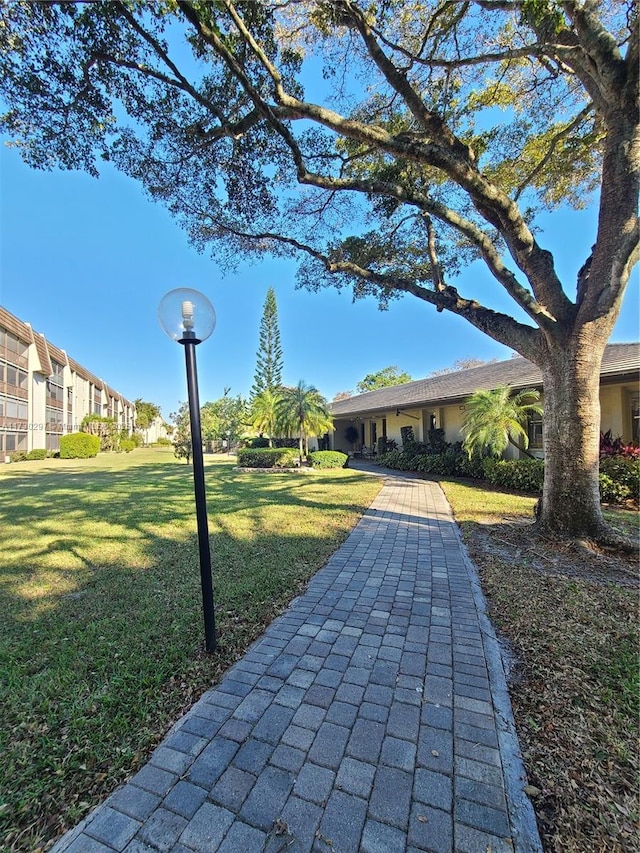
(303, 410)
(496, 418)
(264, 412)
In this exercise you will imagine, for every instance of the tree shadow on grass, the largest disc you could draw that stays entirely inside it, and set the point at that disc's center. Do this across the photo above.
(101, 637)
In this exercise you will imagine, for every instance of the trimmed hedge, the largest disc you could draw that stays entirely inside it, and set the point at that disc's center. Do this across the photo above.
(328, 459)
(127, 445)
(619, 475)
(79, 445)
(267, 457)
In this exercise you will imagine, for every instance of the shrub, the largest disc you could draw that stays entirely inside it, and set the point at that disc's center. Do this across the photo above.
(136, 438)
(624, 473)
(267, 457)
(18, 456)
(612, 492)
(285, 442)
(38, 453)
(610, 446)
(259, 441)
(127, 445)
(522, 475)
(328, 459)
(79, 445)
(164, 442)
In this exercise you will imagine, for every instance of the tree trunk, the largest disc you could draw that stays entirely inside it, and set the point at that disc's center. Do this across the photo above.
(571, 437)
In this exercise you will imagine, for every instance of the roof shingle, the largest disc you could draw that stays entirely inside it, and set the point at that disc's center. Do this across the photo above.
(518, 372)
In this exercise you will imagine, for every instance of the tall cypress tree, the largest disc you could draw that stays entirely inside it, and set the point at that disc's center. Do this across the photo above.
(268, 375)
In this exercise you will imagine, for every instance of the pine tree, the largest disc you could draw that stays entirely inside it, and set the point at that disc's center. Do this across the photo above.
(268, 375)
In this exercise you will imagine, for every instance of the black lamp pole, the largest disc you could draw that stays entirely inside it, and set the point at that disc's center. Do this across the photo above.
(190, 341)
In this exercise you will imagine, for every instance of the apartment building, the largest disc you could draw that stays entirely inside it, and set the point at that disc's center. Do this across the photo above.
(44, 393)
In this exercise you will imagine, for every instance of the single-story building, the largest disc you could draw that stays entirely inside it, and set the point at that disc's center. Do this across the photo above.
(438, 402)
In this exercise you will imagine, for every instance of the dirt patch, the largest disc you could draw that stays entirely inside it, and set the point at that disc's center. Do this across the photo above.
(519, 540)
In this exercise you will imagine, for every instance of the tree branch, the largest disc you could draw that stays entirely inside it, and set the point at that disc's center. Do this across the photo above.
(576, 122)
(501, 327)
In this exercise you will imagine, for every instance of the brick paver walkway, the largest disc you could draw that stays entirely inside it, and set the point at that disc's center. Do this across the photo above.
(372, 716)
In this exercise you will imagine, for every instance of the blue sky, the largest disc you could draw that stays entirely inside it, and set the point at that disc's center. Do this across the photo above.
(87, 261)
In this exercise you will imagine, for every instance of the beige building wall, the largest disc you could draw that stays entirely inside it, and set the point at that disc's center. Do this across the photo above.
(33, 427)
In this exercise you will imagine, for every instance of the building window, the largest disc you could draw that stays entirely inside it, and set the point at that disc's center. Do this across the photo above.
(635, 419)
(55, 389)
(97, 401)
(534, 431)
(52, 441)
(54, 419)
(11, 408)
(15, 346)
(16, 377)
(11, 441)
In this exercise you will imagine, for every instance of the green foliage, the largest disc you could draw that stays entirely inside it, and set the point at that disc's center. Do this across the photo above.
(619, 476)
(263, 413)
(521, 475)
(164, 442)
(146, 413)
(39, 453)
(79, 445)
(525, 475)
(495, 418)
(328, 459)
(267, 457)
(136, 438)
(268, 375)
(303, 410)
(224, 418)
(619, 479)
(105, 428)
(182, 433)
(18, 456)
(384, 378)
(258, 442)
(126, 445)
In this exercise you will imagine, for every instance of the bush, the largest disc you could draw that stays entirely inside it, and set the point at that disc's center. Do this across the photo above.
(79, 445)
(285, 442)
(39, 453)
(612, 492)
(18, 456)
(521, 475)
(136, 438)
(328, 459)
(619, 475)
(267, 457)
(127, 445)
(260, 441)
(164, 442)
(610, 446)
(619, 479)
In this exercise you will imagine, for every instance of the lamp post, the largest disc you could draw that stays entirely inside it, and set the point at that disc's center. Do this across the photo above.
(188, 317)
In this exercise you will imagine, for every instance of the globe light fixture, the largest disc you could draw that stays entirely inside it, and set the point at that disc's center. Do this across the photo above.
(188, 317)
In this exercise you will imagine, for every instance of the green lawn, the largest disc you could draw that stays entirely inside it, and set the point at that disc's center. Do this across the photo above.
(101, 634)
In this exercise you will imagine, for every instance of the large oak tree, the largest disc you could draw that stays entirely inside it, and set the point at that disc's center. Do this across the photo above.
(388, 144)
